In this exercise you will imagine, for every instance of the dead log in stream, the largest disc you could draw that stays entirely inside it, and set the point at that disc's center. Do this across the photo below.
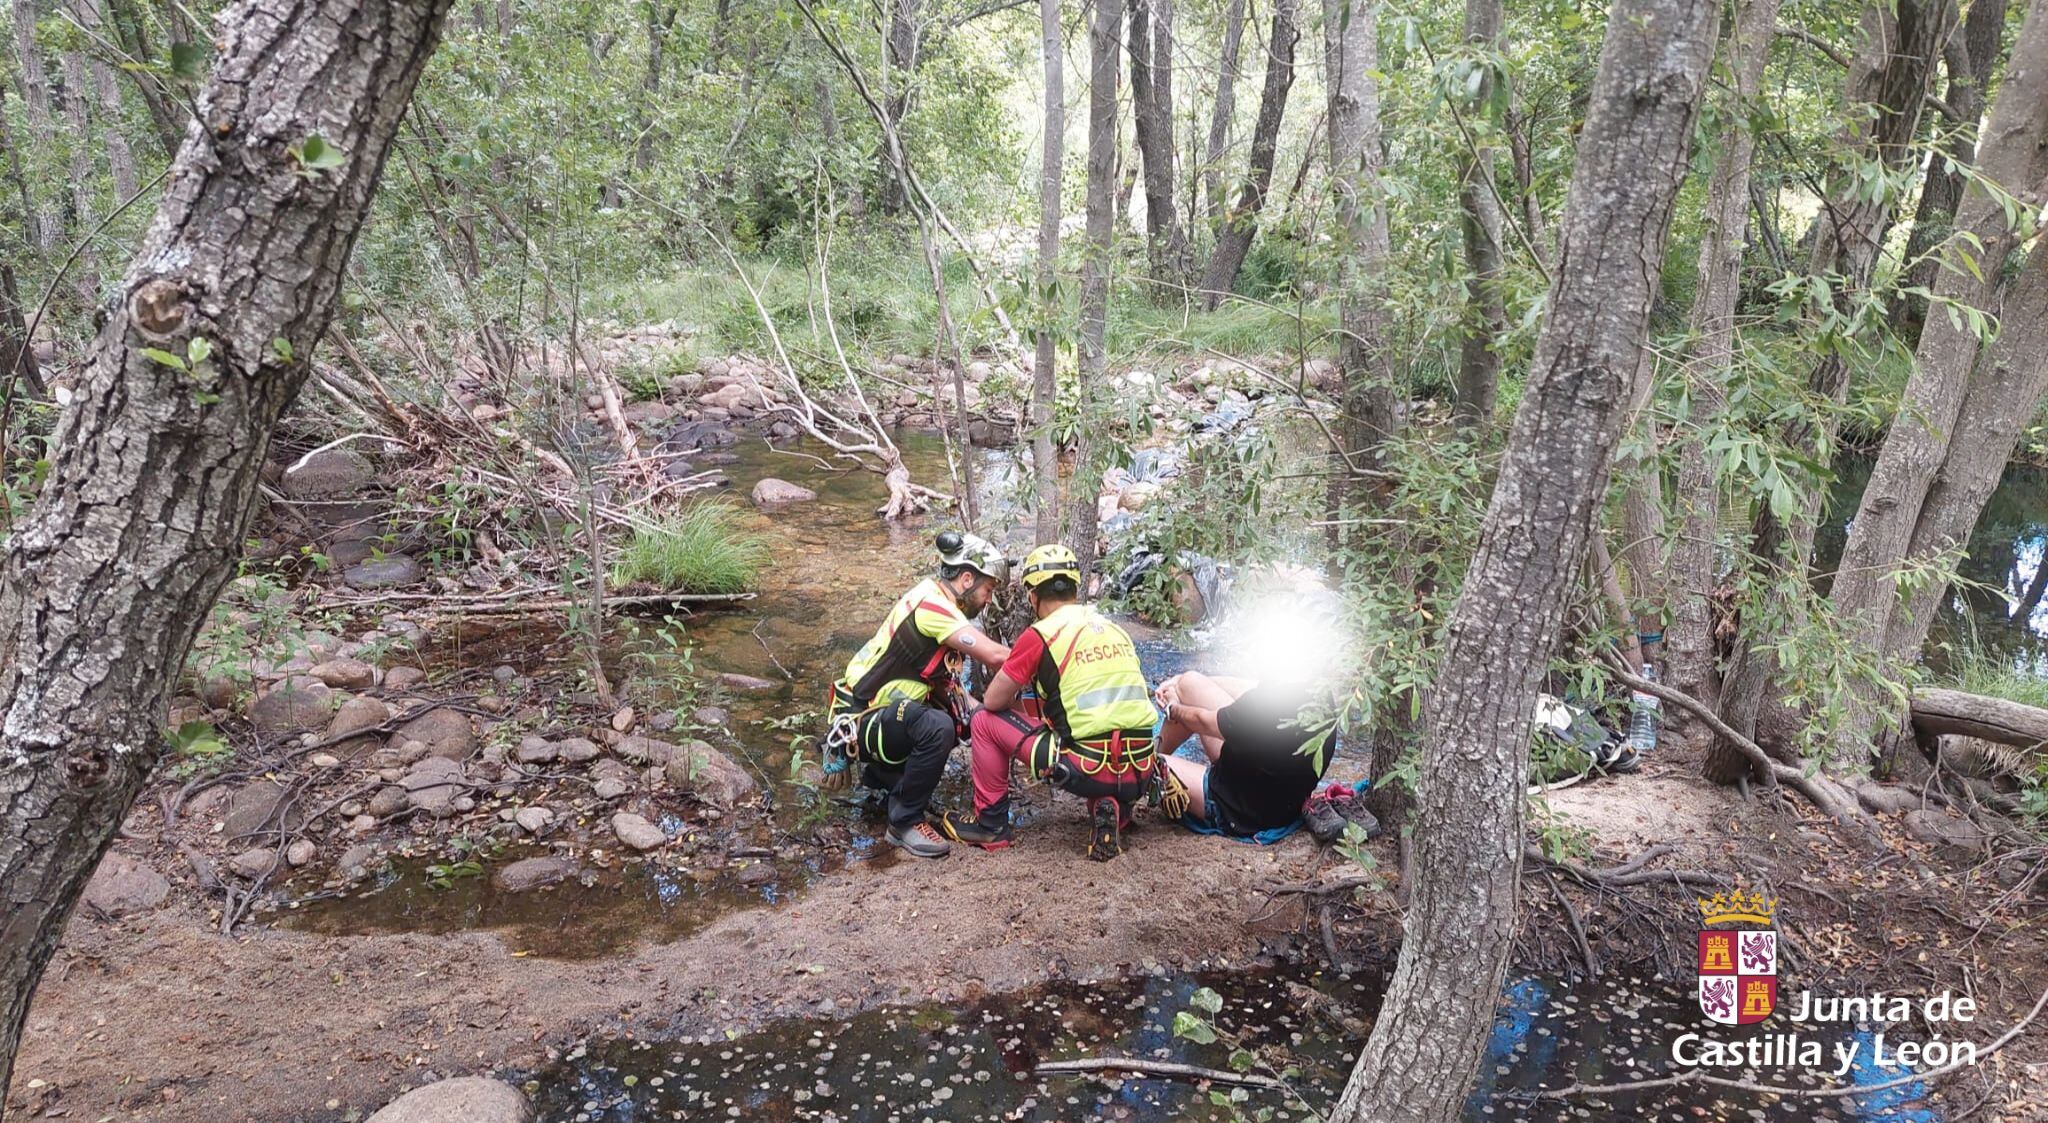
(1938, 713)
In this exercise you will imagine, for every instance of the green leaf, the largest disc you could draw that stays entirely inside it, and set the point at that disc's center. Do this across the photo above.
(164, 358)
(1207, 1000)
(1193, 1028)
(315, 154)
(283, 347)
(198, 350)
(1242, 1060)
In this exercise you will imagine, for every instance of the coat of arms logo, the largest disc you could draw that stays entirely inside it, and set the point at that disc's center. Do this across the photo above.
(1738, 966)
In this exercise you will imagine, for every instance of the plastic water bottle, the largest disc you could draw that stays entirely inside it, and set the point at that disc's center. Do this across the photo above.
(1643, 715)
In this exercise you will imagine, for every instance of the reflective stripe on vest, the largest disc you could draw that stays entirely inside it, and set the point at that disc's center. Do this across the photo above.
(1089, 680)
(896, 663)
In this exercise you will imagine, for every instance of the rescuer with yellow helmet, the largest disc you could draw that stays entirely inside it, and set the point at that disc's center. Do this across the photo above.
(1095, 733)
(897, 709)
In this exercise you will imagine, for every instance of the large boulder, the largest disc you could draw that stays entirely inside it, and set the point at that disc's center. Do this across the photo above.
(645, 751)
(356, 715)
(434, 784)
(387, 572)
(299, 704)
(122, 885)
(335, 473)
(445, 732)
(533, 873)
(465, 1099)
(709, 776)
(346, 674)
(771, 492)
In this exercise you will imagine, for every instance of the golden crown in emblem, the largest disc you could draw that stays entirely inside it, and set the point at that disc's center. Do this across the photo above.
(1726, 908)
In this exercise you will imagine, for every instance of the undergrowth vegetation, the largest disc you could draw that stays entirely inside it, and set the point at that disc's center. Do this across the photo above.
(706, 549)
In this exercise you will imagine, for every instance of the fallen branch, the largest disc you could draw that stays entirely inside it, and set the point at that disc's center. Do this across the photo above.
(1147, 1067)
(1620, 878)
(1700, 1076)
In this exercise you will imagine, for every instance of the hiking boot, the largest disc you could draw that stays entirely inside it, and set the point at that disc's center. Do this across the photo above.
(1107, 841)
(1324, 819)
(920, 840)
(960, 826)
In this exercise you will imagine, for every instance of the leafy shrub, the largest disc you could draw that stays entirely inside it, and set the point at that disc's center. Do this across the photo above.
(704, 550)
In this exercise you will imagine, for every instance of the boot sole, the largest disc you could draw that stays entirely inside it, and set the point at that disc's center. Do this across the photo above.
(1107, 842)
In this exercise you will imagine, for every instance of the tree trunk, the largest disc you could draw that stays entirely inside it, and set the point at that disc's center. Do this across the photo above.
(1220, 117)
(1235, 240)
(1970, 58)
(109, 577)
(660, 20)
(45, 223)
(131, 32)
(899, 62)
(1418, 1065)
(1890, 77)
(1097, 259)
(17, 350)
(1151, 52)
(84, 207)
(1925, 434)
(1045, 367)
(1479, 227)
(107, 89)
(1351, 61)
(1694, 569)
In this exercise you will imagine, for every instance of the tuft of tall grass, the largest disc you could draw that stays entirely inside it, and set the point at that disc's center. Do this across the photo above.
(703, 550)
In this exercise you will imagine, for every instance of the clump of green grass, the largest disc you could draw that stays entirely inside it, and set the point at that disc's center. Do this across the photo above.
(703, 550)
(1977, 672)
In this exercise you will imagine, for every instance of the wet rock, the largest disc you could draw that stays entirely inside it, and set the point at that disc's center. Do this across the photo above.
(637, 832)
(253, 864)
(123, 885)
(387, 572)
(1942, 828)
(576, 750)
(358, 860)
(259, 806)
(758, 874)
(296, 705)
(533, 873)
(536, 750)
(346, 674)
(533, 820)
(445, 732)
(335, 473)
(434, 785)
(771, 492)
(709, 776)
(300, 852)
(746, 682)
(403, 678)
(466, 1099)
(644, 751)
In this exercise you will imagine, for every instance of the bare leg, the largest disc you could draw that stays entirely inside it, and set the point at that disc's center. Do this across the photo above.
(1203, 692)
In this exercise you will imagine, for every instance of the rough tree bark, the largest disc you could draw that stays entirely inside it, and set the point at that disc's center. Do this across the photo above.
(46, 225)
(1632, 155)
(1693, 570)
(1479, 227)
(1166, 243)
(1045, 365)
(109, 577)
(1104, 69)
(1225, 110)
(1242, 224)
(1925, 434)
(1969, 59)
(1887, 89)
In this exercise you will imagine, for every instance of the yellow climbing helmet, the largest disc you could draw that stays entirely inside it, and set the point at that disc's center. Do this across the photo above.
(1050, 561)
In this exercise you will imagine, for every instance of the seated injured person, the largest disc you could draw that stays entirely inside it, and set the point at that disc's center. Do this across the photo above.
(1263, 746)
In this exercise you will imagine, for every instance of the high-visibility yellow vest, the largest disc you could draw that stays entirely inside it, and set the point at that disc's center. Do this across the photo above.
(1089, 682)
(907, 651)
